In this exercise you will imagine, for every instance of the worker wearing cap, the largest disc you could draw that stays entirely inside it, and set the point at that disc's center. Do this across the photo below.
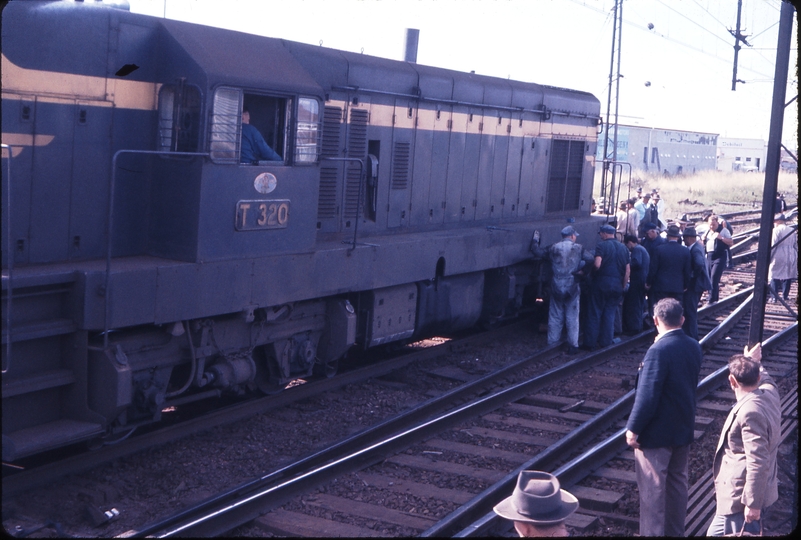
(610, 279)
(567, 259)
(699, 281)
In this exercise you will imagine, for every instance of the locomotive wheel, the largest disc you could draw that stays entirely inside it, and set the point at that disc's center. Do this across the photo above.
(267, 383)
(267, 374)
(327, 369)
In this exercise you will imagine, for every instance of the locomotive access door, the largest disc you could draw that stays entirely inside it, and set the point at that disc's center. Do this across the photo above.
(356, 148)
(331, 172)
(472, 150)
(402, 159)
(456, 160)
(500, 166)
(511, 192)
(430, 166)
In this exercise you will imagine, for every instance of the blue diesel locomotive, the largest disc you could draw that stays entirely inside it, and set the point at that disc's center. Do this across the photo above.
(146, 266)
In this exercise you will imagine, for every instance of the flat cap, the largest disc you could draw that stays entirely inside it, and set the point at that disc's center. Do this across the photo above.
(569, 231)
(608, 229)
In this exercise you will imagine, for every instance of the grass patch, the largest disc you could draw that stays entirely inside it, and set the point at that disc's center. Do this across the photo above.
(708, 190)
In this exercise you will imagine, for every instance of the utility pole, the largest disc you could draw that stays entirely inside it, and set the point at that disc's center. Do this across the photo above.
(738, 37)
(617, 30)
(771, 173)
(604, 161)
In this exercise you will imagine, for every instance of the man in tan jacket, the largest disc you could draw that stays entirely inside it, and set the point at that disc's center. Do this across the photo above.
(745, 460)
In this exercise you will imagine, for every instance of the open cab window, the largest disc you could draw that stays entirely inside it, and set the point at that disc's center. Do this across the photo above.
(270, 118)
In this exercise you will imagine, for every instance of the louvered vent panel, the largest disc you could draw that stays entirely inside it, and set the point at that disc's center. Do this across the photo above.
(332, 120)
(357, 148)
(564, 181)
(575, 167)
(400, 165)
(327, 203)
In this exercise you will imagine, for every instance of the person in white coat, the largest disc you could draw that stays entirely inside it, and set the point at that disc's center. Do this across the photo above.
(783, 257)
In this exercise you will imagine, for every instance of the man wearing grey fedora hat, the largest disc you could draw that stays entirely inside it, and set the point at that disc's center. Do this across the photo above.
(538, 506)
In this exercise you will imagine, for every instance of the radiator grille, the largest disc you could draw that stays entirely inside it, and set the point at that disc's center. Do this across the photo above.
(400, 165)
(357, 148)
(564, 181)
(327, 203)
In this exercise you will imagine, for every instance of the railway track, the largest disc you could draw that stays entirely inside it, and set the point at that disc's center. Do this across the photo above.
(38, 472)
(417, 492)
(473, 448)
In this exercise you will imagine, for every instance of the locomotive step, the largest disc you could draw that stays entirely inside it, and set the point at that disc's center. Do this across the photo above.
(34, 383)
(39, 329)
(47, 436)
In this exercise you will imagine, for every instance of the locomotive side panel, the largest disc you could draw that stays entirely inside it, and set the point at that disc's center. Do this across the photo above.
(437, 86)
(497, 123)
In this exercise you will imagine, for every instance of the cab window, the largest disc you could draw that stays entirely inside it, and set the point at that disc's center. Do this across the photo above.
(308, 131)
(267, 114)
(179, 118)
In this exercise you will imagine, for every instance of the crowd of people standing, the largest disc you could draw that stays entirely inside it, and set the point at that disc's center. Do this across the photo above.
(644, 273)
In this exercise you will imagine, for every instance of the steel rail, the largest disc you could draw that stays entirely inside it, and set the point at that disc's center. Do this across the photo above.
(242, 505)
(247, 501)
(581, 466)
(40, 476)
(547, 459)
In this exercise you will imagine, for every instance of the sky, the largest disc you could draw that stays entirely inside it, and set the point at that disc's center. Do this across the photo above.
(675, 75)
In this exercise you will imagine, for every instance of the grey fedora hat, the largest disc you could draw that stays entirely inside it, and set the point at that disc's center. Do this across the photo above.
(537, 498)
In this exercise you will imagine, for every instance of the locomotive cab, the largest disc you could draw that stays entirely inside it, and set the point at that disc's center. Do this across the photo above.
(227, 204)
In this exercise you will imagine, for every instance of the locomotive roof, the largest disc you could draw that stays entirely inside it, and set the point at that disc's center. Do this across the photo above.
(222, 56)
(244, 59)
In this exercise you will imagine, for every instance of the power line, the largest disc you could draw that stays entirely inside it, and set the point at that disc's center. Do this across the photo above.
(708, 13)
(674, 40)
(763, 31)
(695, 23)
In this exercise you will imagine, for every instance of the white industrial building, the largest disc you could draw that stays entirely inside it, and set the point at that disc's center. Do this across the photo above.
(746, 155)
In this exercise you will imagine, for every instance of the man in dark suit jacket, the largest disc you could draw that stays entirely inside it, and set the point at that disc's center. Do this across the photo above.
(745, 459)
(660, 426)
(669, 272)
(699, 281)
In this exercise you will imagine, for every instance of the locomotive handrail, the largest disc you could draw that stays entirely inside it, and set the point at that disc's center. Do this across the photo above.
(106, 290)
(359, 199)
(615, 199)
(9, 258)
(544, 111)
